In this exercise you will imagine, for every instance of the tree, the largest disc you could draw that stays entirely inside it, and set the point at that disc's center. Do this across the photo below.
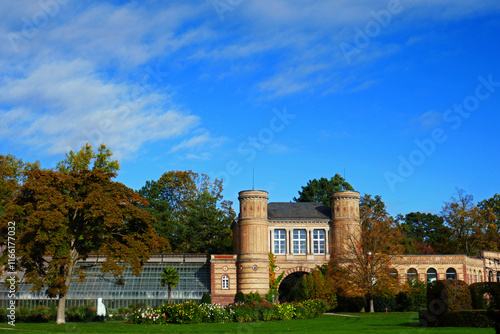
(170, 278)
(61, 218)
(364, 268)
(84, 158)
(425, 233)
(468, 224)
(319, 191)
(191, 212)
(11, 177)
(491, 213)
(319, 285)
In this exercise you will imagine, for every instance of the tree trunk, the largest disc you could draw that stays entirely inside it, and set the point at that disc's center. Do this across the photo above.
(61, 310)
(372, 309)
(169, 293)
(61, 305)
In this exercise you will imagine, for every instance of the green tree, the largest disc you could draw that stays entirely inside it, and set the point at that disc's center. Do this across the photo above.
(425, 233)
(62, 218)
(86, 157)
(319, 191)
(170, 278)
(191, 212)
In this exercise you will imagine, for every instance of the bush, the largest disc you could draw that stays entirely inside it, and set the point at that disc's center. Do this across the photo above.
(239, 297)
(350, 304)
(413, 297)
(206, 299)
(471, 318)
(82, 314)
(380, 303)
(185, 313)
(215, 313)
(253, 297)
(448, 295)
(477, 291)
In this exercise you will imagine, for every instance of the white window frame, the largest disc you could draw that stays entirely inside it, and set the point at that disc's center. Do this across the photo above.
(225, 282)
(299, 242)
(279, 241)
(319, 242)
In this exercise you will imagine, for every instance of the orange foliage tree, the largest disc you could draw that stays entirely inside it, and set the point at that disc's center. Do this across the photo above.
(364, 267)
(62, 217)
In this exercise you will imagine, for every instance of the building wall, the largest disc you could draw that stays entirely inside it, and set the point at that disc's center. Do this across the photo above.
(255, 235)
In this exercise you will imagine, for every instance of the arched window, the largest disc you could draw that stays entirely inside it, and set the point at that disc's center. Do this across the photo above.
(412, 275)
(393, 273)
(451, 273)
(479, 276)
(225, 282)
(490, 276)
(432, 275)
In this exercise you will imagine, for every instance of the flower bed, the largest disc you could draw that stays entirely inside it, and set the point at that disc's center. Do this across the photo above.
(189, 312)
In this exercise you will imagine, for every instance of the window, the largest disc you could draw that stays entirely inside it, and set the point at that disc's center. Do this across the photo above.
(411, 275)
(451, 273)
(479, 276)
(279, 241)
(393, 273)
(319, 241)
(225, 282)
(431, 275)
(299, 241)
(490, 276)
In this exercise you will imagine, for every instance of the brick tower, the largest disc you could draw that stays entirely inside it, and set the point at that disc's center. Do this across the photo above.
(346, 225)
(252, 245)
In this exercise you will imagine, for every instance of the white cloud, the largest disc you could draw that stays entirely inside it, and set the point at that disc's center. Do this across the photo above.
(60, 106)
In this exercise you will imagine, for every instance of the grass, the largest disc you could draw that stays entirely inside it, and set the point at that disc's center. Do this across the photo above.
(401, 323)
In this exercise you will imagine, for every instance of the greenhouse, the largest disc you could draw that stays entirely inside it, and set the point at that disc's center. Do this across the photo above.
(193, 269)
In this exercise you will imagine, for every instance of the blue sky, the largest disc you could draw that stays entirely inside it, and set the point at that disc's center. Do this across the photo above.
(401, 96)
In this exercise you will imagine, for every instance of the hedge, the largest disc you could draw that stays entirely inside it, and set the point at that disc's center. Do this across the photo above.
(477, 291)
(448, 296)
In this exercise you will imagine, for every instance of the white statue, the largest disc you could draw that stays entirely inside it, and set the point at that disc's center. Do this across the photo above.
(101, 308)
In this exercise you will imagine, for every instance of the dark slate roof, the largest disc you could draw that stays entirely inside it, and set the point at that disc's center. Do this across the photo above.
(298, 210)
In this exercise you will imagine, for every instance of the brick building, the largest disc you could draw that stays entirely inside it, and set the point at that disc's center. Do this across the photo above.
(304, 235)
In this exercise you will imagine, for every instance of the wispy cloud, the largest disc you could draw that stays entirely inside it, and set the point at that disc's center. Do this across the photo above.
(62, 105)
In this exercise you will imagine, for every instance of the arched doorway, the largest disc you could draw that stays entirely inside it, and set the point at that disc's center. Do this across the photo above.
(290, 288)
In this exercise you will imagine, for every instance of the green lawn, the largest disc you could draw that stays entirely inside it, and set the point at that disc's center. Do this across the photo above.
(400, 323)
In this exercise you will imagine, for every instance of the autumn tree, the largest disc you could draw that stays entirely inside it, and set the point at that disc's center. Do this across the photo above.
(491, 212)
(11, 177)
(320, 285)
(319, 191)
(190, 212)
(364, 268)
(61, 218)
(468, 224)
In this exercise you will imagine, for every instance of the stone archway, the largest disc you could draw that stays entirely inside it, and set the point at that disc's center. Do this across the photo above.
(290, 287)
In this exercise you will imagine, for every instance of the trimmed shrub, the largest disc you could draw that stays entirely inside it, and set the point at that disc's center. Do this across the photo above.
(471, 318)
(239, 297)
(206, 299)
(448, 296)
(380, 303)
(478, 290)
